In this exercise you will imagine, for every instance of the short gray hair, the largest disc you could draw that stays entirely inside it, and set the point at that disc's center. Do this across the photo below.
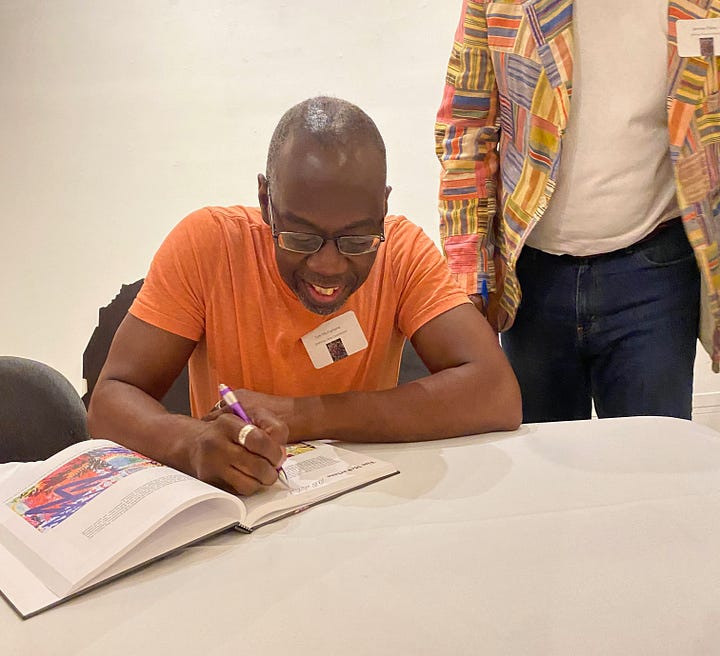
(331, 121)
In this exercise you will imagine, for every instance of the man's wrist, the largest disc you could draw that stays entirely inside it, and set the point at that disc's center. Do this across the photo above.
(178, 451)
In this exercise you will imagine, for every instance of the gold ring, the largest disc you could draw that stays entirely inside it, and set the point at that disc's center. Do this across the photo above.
(244, 432)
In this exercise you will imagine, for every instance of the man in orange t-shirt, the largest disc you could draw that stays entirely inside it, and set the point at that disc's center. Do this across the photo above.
(303, 306)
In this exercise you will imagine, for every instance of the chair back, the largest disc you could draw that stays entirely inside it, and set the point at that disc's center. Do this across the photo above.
(40, 411)
(411, 366)
(177, 399)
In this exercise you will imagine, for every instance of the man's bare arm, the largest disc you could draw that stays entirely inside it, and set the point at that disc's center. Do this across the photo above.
(141, 366)
(471, 389)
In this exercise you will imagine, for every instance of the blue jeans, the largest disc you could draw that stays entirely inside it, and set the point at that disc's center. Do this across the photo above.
(619, 329)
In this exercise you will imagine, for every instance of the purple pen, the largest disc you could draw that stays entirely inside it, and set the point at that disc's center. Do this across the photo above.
(230, 398)
(233, 403)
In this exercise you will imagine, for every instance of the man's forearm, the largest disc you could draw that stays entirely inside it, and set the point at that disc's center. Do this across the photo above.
(452, 402)
(127, 415)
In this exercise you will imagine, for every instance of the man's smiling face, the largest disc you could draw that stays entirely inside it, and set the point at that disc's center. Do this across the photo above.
(330, 191)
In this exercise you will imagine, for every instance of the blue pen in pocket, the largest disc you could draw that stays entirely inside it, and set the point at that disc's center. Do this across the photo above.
(484, 291)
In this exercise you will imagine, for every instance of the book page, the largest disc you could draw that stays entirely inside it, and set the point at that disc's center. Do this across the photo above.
(88, 505)
(28, 595)
(316, 471)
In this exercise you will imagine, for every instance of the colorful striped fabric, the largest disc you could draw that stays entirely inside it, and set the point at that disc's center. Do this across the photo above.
(499, 129)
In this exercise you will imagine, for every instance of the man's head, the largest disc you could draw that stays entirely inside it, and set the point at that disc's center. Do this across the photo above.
(326, 174)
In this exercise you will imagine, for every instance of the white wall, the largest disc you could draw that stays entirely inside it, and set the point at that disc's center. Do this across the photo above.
(706, 397)
(118, 118)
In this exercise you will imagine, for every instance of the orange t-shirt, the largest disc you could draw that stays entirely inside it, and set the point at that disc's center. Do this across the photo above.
(215, 280)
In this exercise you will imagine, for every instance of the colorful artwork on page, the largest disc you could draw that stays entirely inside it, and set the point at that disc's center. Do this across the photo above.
(60, 494)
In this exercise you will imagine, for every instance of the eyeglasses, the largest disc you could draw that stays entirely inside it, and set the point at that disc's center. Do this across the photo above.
(308, 243)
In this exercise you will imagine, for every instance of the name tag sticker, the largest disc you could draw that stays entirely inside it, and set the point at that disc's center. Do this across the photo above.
(698, 37)
(334, 340)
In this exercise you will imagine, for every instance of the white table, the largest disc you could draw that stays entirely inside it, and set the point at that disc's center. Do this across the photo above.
(597, 537)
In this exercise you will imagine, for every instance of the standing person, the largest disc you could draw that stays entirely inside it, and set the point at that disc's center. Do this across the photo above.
(579, 196)
(302, 305)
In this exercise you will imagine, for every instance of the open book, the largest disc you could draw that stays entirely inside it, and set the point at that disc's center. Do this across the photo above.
(97, 510)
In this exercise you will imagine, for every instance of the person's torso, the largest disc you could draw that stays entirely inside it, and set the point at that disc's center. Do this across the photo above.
(615, 180)
(254, 323)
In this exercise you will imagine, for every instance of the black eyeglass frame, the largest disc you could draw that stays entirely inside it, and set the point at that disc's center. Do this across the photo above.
(278, 237)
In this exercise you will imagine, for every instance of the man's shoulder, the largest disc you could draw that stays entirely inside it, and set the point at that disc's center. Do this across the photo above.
(214, 224)
(401, 228)
(232, 214)
(209, 230)
(408, 252)
(402, 235)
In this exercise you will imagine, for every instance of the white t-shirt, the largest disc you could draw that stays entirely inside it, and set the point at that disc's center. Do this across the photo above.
(615, 181)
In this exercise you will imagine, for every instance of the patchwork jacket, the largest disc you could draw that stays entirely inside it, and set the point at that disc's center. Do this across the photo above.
(499, 133)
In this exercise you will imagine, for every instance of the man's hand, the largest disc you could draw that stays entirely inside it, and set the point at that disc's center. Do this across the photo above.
(217, 457)
(491, 310)
(142, 364)
(479, 303)
(279, 407)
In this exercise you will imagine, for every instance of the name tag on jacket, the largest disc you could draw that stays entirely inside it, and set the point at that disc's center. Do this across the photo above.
(699, 37)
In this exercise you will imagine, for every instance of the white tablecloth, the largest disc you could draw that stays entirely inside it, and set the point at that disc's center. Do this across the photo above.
(597, 537)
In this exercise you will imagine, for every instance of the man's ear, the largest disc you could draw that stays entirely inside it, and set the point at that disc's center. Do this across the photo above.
(263, 197)
(388, 189)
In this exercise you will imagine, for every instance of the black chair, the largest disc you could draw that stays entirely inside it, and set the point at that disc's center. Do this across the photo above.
(177, 399)
(411, 366)
(40, 411)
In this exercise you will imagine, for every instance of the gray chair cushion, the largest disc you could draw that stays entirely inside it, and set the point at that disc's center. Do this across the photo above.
(411, 366)
(110, 317)
(40, 411)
